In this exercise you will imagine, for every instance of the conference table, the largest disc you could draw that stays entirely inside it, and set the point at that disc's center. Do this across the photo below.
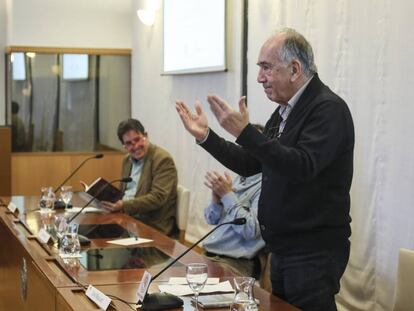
(34, 277)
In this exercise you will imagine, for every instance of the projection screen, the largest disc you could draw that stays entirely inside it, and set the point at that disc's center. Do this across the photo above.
(194, 36)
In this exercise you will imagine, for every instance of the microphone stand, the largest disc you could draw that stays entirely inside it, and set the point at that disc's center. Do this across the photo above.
(83, 240)
(97, 156)
(59, 203)
(161, 301)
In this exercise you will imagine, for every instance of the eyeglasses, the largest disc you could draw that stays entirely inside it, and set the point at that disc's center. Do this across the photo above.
(133, 142)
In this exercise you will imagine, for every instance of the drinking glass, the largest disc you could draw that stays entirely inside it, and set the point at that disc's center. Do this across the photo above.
(47, 200)
(69, 244)
(61, 226)
(196, 274)
(66, 194)
(47, 220)
(243, 298)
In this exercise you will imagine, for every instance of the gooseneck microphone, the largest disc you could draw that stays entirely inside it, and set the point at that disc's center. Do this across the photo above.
(96, 156)
(123, 180)
(161, 301)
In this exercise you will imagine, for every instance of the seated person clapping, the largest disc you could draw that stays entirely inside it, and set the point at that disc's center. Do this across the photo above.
(234, 246)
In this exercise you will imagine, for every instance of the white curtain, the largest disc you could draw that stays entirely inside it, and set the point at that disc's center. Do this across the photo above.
(364, 53)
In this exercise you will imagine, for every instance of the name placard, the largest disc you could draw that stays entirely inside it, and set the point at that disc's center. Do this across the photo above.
(98, 297)
(12, 207)
(43, 236)
(143, 286)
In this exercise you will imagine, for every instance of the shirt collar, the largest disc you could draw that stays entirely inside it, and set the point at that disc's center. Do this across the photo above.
(285, 109)
(135, 161)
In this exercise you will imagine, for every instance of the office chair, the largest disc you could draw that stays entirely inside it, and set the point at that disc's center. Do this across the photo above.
(404, 298)
(183, 204)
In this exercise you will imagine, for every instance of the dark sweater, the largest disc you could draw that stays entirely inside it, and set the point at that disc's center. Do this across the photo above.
(307, 172)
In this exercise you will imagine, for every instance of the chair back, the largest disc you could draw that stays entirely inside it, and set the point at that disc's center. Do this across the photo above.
(183, 204)
(404, 297)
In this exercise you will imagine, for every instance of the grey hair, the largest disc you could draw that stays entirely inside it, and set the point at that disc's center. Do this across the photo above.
(297, 47)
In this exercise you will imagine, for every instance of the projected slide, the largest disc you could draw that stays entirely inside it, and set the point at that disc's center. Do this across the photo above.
(194, 36)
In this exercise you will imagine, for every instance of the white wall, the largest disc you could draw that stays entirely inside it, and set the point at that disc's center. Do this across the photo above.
(153, 98)
(71, 23)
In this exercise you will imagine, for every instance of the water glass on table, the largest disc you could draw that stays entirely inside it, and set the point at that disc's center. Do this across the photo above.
(196, 274)
(244, 298)
(47, 200)
(66, 194)
(61, 226)
(69, 244)
(47, 223)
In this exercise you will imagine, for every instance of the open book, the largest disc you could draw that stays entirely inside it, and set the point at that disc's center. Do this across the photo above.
(103, 191)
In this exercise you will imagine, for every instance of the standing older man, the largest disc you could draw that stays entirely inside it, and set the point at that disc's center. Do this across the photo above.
(152, 195)
(306, 157)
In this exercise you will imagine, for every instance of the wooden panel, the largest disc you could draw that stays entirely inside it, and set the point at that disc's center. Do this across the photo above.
(33, 170)
(11, 265)
(5, 161)
(69, 299)
(109, 167)
(40, 292)
(61, 304)
(16, 263)
(74, 299)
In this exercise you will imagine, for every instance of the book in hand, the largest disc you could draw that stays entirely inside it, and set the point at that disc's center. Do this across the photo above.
(102, 190)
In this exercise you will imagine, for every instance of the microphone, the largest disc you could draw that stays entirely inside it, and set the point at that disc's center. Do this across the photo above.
(123, 180)
(161, 301)
(96, 156)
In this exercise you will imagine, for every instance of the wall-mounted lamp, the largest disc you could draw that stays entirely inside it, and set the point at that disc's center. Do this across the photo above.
(147, 17)
(147, 12)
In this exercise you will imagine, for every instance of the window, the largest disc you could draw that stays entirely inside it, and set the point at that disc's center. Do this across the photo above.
(67, 100)
(75, 67)
(19, 69)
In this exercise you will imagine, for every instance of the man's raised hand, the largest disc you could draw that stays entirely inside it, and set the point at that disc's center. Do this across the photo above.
(195, 123)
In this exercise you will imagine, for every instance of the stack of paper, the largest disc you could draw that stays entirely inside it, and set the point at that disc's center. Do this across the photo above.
(177, 287)
(88, 209)
(129, 241)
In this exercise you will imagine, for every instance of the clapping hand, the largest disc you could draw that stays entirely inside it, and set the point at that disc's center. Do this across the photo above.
(220, 185)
